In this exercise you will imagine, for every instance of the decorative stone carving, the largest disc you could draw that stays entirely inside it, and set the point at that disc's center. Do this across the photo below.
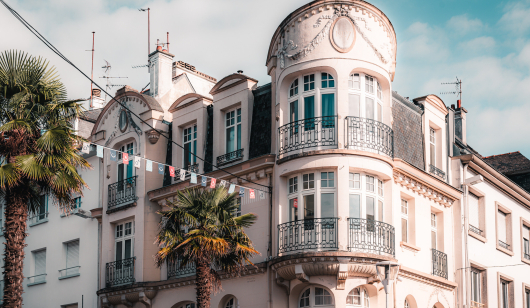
(144, 299)
(153, 136)
(125, 301)
(299, 272)
(341, 280)
(343, 34)
(422, 189)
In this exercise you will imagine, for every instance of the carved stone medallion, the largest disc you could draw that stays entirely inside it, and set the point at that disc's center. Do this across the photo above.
(342, 34)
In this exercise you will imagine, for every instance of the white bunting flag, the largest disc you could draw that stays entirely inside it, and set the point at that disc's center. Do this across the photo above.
(261, 195)
(137, 162)
(223, 183)
(100, 151)
(148, 165)
(86, 148)
(193, 179)
(182, 174)
(232, 188)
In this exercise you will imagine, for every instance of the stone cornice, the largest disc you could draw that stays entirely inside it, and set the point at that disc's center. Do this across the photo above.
(412, 274)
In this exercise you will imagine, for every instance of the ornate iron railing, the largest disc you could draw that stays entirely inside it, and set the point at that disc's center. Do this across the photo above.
(229, 157)
(193, 168)
(69, 271)
(308, 234)
(308, 133)
(123, 192)
(439, 263)
(371, 236)
(527, 256)
(35, 219)
(504, 245)
(476, 305)
(174, 270)
(369, 135)
(120, 272)
(475, 230)
(437, 172)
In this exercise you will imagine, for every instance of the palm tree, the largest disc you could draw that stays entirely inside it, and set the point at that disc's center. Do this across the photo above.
(200, 228)
(37, 154)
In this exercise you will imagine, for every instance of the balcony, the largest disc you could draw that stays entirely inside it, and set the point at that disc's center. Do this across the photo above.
(193, 168)
(122, 193)
(69, 272)
(317, 234)
(37, 279)
(504, 245)
(475, 230)
(38, 219)
(439, 263)
(230, 157)
(314, 133)
(369, 135)
(120, 272)
(174, 270)
(437, 172)
(371, 236)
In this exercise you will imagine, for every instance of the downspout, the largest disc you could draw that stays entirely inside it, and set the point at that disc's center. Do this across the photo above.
(465, 217)
(100, 225)
(269, 250)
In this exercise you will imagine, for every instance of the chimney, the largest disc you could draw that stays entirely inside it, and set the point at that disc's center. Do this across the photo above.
(97, 101)
(160, 68)
(460, 123)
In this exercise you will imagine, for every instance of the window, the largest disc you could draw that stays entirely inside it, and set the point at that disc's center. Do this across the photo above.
(369, 104)
(125, 172)
(231, 303)
(526, 243)
(72, 260)
(501, 229)
(293, 89)
(380, 188)
(379, 91)
(293, 209)
(327, 81)
(369, 84)
(77, 202)
(188, 305)
(309, 181)
(40, 267)
(355, 180)
(504, 298)
(358, 297)
(315, 296)
(432, 139)
(124, 241)
(474, 214)
(527, 298)
(293, 185)
(354, 82)
(370, 185)
(293, 112)
(404, 220)
(407, 304)
(433, 231)
(309, 82)
(190, 146)
(233, 130)
(42, 212)
(354, 105)
(327, 179)
(476, 286)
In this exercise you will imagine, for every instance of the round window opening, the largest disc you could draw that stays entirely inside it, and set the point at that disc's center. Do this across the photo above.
(123, 121)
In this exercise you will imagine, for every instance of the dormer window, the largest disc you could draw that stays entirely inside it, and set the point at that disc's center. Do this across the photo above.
(233, 130)
(190, 146)
(327, 81)
(293, 90)
(432, 139)
(309, 82)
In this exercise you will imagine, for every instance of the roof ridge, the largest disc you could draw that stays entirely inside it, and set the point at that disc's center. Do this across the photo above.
(503, 154)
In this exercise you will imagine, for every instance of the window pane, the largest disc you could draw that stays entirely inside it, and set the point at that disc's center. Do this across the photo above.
(380, 210)
(369, 108)
(370, 208)
(327, 206)
(354, 105)
(433, 239)
(328, 105)
(230, 140)
(309, 112)
(294, 111)
(474, 211)
(309, 207)
(404, 237)
(293, 209)
(501, 221)
(128, 248)
(355, 206)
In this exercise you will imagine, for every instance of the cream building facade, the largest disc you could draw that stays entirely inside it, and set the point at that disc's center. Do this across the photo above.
(358, 174)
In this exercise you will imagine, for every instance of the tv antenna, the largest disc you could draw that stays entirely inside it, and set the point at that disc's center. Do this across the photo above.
(92, 71)
(110, 85)
(457, 91)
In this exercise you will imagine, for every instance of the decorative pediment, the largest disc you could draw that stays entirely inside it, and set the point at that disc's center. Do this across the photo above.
(187, 100)
(229, 82)
(423, 189)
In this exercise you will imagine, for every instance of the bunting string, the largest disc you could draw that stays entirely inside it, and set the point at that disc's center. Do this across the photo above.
(126, 158)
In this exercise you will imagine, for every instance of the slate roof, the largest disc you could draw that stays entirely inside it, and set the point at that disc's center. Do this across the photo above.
(91, 115)
(509, 163)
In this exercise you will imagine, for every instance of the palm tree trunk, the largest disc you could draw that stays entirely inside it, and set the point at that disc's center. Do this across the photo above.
(16, 215)
(204, 283)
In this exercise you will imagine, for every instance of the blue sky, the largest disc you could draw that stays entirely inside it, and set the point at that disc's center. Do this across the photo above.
(485, 43)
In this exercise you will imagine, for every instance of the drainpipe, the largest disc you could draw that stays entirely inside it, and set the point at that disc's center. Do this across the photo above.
(465, 217)
(269, 250)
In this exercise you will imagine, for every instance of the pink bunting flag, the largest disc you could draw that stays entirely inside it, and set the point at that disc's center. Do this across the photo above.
(125, 158)
(172, 171)
(212, 183)
(252, 194)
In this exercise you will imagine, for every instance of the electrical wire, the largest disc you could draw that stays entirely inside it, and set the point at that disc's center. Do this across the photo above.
(57, 52)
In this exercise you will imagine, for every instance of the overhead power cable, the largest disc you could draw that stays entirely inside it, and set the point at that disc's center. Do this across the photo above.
(57, 52)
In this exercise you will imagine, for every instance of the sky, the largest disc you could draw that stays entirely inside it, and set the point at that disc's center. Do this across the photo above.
(485, 43)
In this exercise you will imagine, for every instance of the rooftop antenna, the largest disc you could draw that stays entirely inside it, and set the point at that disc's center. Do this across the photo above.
(167, 42)
(107, 68)
(148, 29)
(92, 71)
(457, 91)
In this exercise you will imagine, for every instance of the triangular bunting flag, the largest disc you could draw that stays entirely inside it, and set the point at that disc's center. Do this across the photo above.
(182, 174)
(125, 158)
(242, 191)
(223, 183)
(113, 156)
(203, 181)
(261, 195)
(171, 171)
(161, 168)
(232, 188)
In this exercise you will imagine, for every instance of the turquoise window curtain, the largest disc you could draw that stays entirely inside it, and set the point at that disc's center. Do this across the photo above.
(309, 112)
(130, 151)
(328, 110)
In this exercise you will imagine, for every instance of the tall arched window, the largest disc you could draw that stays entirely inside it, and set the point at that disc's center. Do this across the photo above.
(365, 99)
(315, 296)
(358, 297)
(231, 303)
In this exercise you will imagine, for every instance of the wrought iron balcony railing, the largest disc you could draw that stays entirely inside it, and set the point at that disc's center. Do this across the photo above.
(527, 256)
(230, 157)
(174, 270)
(308, 234)
(475, 230)
(38, 218)
(120, 272)
(123, 192)
(476, 305)
(193, 168)
(504, 245)
(439, 173)
(371, 236)
(308, 133)
(369, 135)
(439, 263)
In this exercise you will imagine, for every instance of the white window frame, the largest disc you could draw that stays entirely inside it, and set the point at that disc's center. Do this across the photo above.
(366, 180)
(189, 136)
(121, 235)
(432, 143)
(237, 122)
(316, 191)
(405, 216)
(293, 88)
(363, 297)
(312, 296)
(363, 92)
(309, 82)
(434, 226)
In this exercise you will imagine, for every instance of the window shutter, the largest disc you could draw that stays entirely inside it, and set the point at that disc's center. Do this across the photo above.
(40, 265)
(473, 211)
(72, 257)
(501, 225)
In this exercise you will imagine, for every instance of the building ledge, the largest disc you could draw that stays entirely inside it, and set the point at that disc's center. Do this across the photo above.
(382, 157)
(36, 283)
(39, 222)
(410, 273)
(121, 207)
(409, 246)
(70, 276)
(506, 251)
(478, 237)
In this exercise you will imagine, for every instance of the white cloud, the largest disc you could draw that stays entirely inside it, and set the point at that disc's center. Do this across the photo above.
(462, 25)
(483, 44)
(516, 18)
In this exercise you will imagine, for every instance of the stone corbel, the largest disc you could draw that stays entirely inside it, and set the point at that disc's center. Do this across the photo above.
(153, 136)
(144, 299)
(125, 302)
(284, 285)
(105, 303)
(299, 272)
(260, 174)
(342, 275)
